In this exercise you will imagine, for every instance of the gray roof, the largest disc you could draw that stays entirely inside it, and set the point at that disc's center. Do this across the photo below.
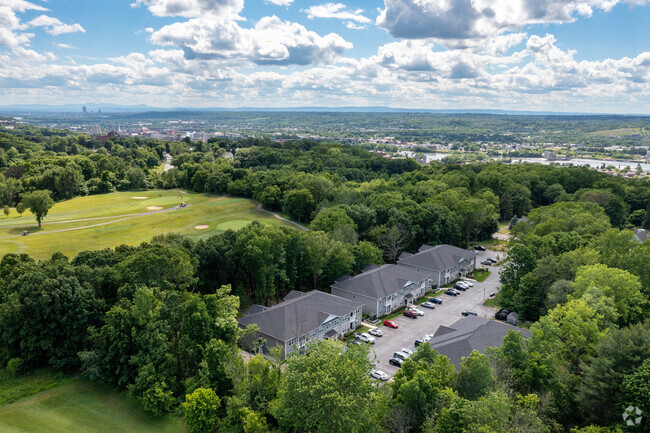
(471, 333)
(380, 281)
(438, 258)
(641, 235)
(300, 315)
(255, 308)
(293, 294)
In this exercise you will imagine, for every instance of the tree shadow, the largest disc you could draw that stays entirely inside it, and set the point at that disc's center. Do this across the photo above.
(19, 230)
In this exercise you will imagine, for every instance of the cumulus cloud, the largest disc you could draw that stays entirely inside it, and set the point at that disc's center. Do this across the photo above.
(460, 23)
(279, 2)
(192, 8)
(271, 42)
(11, 28)
(338, 11)
(54, 26)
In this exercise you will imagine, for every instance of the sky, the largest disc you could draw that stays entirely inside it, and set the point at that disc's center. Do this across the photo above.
(589, 56)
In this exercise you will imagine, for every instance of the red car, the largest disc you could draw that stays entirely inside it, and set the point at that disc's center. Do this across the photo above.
(410, 313)
(390, 324)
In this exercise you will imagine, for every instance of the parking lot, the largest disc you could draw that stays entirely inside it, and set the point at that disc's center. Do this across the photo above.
(445, 314)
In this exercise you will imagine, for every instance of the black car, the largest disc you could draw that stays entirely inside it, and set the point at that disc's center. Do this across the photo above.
(419, 341)
(502, 314)
(396, 362)
(490, 259)
(468, 313)
(486, 262)
(460, 287)
(451, 293)
(479, 247)
(435, 300)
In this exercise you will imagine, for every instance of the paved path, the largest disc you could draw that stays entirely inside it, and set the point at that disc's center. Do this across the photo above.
(300, 226)
(450, 311)
(124, 218)
(168, 162)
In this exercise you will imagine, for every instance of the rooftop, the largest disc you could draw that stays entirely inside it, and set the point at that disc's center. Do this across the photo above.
(380, 281)
(300, 314)
(471, 333)
(438, 258)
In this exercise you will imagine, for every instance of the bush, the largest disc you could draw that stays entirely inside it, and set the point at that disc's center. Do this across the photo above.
(14, 366)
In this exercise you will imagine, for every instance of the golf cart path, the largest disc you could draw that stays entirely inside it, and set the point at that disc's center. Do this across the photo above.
(300, 226)
(120, 218)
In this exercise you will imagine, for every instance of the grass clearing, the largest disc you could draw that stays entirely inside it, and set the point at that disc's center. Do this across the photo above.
(82, 407)
(480, 276)
(108, 220)
(622, 132)
(13, 389)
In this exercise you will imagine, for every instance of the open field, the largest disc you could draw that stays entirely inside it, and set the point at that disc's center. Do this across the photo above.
(617, 132)
(101, 221)
(82, 407)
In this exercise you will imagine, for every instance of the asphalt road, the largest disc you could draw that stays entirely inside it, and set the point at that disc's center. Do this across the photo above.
(445, 314)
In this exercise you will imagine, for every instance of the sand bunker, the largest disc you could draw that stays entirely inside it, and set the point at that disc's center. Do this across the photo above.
(201, 227)
(154, 208)
(139, 198)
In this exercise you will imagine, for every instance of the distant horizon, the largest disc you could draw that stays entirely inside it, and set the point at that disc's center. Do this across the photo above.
(93, 108)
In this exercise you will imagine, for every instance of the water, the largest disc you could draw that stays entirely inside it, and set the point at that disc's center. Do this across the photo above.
(594, 163)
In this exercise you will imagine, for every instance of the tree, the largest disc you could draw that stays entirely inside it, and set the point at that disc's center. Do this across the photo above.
(617, 356)
(636, 389)
(7, 211)
(505, 206)
(299, 204)
(327, 391)
(200, 410)
(474, 379)
(39, 203)
(623, 288)
(20, 208)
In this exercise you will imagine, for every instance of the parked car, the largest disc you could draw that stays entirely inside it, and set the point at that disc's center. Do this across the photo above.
(378, 374)
(459, 286)
(427, 337)
(401, 355)
(486, 262)
(354, 342)
(376, 332)
(417, 310)
(454, 290)
(428, 305)
(435, 300)
(396, 361)
(410, 313)
(468, 313)
(419, 341)
(451, 292)
(408, 351)
(366, 338)
(493, 260)
(502, 314)
(469, 283)
(479, 247)
(390, 324)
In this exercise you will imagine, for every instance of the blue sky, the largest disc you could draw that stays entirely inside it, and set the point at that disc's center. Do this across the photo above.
(557, 55)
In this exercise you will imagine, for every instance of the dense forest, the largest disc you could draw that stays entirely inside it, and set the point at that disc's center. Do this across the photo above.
(158, 321)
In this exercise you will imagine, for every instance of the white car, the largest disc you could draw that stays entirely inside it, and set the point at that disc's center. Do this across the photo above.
(427, 337)
(366, 338)
(469, 283)
(409, 352)
(376, 332)
(417, 310)
(378, 374)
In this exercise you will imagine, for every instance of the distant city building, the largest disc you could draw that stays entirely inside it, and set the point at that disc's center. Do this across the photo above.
(84, 109)
(97, 130)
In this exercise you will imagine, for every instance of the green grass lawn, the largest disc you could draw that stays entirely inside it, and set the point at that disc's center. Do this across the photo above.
(480, 276)
(111, 218)
(82, 407)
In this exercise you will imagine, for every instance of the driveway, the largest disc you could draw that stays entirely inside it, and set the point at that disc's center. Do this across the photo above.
(445, 314)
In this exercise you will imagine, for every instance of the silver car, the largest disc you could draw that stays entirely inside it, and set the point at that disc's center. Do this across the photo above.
(376, 332)
(378, 374)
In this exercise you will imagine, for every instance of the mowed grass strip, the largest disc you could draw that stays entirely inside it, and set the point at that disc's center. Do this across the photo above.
(82, 407)
(106, 221)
